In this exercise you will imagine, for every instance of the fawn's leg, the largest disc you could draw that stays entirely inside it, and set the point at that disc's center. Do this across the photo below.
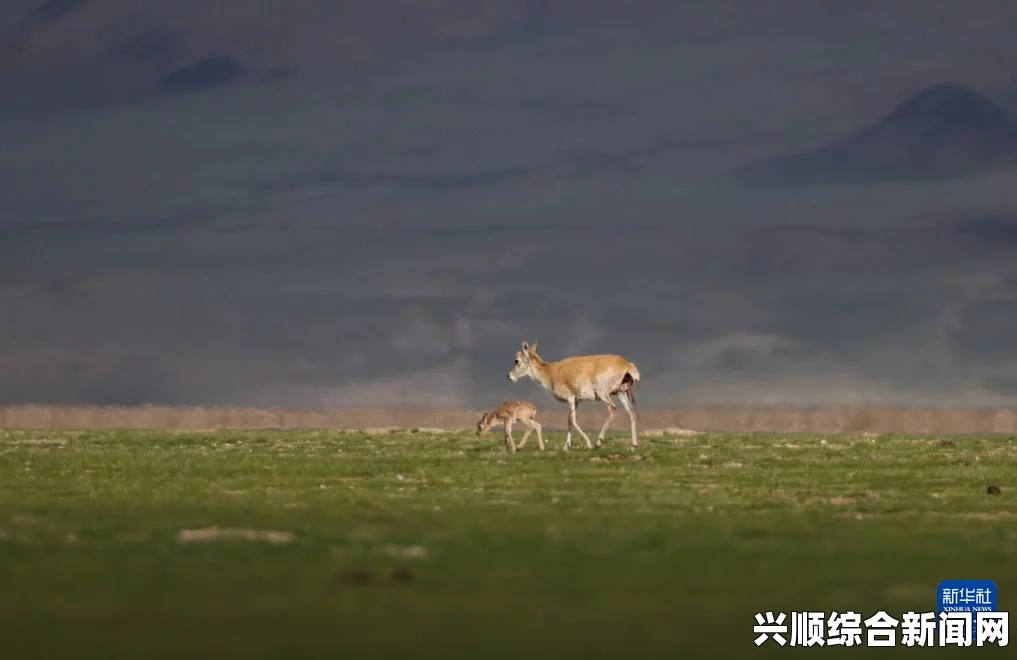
(529, 430)
(510, 444)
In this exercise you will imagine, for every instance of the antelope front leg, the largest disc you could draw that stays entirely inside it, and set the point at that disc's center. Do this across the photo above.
(510, 444)
(568, 433)
(607, 422)
(540, 438)
(574, 424)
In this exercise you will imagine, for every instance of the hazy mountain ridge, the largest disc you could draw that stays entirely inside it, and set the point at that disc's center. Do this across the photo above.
(804, 301)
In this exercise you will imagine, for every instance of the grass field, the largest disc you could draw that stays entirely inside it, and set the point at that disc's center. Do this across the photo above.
(423, 545)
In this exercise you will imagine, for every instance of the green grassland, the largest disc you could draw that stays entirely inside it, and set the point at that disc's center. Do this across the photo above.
(422, 544)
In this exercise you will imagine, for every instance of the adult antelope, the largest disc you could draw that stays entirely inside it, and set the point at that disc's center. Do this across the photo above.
(582, 378)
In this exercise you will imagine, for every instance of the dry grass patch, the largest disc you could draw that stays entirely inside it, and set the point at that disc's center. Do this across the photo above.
(228, 533)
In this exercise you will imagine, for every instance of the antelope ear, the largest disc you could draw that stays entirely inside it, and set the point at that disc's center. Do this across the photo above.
(526, 346)
(533, 347)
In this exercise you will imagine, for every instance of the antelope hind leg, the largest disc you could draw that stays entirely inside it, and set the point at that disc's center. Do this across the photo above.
(627, 405)
(607, 422)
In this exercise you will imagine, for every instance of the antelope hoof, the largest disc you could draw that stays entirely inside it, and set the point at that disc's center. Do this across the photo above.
(598, 444)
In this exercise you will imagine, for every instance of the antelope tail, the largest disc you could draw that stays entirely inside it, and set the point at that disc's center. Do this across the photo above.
(633, 373)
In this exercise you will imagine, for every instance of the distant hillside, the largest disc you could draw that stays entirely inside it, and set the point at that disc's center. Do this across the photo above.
(1008, 96)
(942, 131)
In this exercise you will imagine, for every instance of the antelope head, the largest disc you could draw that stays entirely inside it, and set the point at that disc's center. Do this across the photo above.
(524, 365)
(486, 422)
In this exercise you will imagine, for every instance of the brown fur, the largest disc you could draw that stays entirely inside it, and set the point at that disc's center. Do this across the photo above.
(507, 413)
(582, 378)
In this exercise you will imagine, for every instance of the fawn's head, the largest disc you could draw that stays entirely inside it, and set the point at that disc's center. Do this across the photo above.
(524, 364)
(486, 422)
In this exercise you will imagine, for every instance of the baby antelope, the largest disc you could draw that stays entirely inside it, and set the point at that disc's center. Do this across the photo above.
(507, 413)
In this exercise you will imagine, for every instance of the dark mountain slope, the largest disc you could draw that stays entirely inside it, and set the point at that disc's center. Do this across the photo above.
(942, 131)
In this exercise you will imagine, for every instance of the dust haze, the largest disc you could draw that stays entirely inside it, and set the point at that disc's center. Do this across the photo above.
(325, 204)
